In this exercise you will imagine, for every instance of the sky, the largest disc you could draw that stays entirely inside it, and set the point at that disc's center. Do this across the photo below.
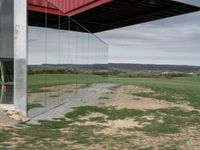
(174, 40)
(51, 46)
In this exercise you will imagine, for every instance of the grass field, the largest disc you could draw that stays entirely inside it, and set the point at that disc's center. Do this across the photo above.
(167, 128)
(175, 89)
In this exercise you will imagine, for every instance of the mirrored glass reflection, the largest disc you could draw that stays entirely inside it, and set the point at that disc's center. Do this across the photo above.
(62, 63)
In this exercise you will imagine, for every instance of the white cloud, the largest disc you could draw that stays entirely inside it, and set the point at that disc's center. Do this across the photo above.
(169, 41)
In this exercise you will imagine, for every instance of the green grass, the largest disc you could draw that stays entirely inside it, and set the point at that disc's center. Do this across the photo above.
(4, 136)
(104, 97)
(54, 96)
(175, 89)
(34, 105)
(37, 81)
(173, 120)
(68, 91)
(48, 134)
(166, 121)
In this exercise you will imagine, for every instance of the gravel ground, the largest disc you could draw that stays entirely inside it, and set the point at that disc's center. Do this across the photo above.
(5, 121)
(84, 97)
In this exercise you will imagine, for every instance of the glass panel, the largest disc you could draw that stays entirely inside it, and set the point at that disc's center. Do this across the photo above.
(36, 70)
(64, 59)
(52, 68)
(65, 88)
(7, 68)
(37, 47)
(6, 51)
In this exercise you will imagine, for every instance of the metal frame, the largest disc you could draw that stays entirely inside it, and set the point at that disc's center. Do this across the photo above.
(2, 71)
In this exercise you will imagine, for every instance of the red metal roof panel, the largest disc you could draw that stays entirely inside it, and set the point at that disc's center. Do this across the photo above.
(41, 3)
(64, 7)
(70, 5)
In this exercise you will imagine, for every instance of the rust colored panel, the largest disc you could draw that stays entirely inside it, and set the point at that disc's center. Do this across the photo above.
(70, 5)
(64, 7)
(40, 3)
(87, 7)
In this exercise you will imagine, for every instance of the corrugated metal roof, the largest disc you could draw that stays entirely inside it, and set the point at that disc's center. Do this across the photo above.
(116, 14)
(70, 5)
(65, 7)
(41, 3)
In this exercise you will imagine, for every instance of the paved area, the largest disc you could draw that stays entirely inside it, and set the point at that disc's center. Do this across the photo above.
(84, 97)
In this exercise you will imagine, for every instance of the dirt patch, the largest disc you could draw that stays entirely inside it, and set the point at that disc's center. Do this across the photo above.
(6, 121)
(149, 118)
(52, 92)
(93, 115)
(126, 123)
(111, 127)
(13, 142)
(114, 126)
(129, 89)
(187, 139)
(124, 97)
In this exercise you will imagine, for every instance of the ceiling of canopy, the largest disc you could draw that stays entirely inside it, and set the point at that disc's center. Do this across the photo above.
(102, 15)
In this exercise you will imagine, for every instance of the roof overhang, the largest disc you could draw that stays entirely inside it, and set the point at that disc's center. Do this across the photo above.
(64, 7)
(110, 14)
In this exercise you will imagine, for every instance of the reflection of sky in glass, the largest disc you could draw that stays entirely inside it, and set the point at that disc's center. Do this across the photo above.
(64, 47)
(168, 41)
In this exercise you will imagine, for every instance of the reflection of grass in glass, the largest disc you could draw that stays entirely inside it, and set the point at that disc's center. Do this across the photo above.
(34, 105)
(39, 90)
(68, 91)
(84, 86)
(103, 97)
(53, 96)
(37, 81)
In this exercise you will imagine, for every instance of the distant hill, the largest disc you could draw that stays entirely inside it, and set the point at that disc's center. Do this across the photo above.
(130, 67)
(68, 66)
(155, 68)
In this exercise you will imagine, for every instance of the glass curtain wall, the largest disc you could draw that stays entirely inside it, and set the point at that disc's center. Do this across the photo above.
(6, 51)
(62, 59)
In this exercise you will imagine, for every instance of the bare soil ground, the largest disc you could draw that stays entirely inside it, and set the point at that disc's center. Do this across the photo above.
(188, 137)
(123, 97)
(127, 133)
(6, 121)
(52, 91)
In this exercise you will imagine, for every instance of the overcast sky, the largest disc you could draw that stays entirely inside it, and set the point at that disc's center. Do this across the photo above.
(174, 40)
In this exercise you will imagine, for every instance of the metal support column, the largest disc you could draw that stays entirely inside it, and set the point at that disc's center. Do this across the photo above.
(20, 56)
